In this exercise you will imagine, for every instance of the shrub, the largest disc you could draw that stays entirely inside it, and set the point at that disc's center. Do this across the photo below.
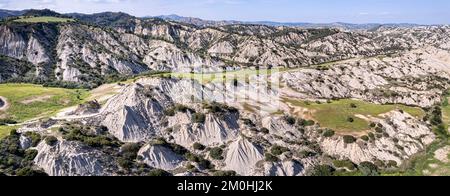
(373, 125)
(216, 153)
(30, 154)
(198, 146)
(323, 170)
(368, 169)
(158, 173)
(306, 123)
(365, 138)
(225, 173)
(371, 136)
(306, 154)
(328, 133)
(278, 150)
(270, 158)
(392, 164)
(290, 120)
(353, 105)
(35, 138)
(124, 163)
(350, 119)
(264, 130)
(379, 130)
(344, 164)
(199, 118)
(27, 171)
(248, 122)
(129, 151)
(51, 140)
(348, 139)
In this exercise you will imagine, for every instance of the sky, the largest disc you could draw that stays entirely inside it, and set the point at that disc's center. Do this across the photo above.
(315, 11)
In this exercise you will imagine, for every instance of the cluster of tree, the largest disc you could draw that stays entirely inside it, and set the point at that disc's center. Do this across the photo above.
(15, 161)
(96, 137)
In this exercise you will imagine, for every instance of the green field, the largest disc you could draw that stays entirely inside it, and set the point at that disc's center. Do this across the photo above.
(335, 115)
(28, 101)
(5, 130)
(43, 19)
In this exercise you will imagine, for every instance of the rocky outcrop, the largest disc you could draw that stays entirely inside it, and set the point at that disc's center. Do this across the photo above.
(405, 136)
(72, 159)
(160, 157)
(242, 156)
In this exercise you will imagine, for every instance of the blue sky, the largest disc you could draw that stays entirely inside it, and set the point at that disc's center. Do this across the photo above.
(318, 11)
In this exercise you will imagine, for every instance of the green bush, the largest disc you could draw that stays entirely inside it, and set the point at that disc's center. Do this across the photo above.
(348, 139)
(125, 163)
(35, 138)
(290, 120)
(306, 123)
(270, 158)
(264, 130)
(158, 173)
(198, 146)
(365, 138)
(379, 130)
(306, 154)
(368, 169)
(323, 170)
(344, 164)
(216, 153)
(392, 164)
(353, 105)
(199, 118)
(51, 140)
(27, 171)
(329, 133)
(350, 119)
(278, 150)
(225, 173)
(30, 154)
(129, 151)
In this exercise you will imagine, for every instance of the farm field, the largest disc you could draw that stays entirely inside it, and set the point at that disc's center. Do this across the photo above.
(28, 101)
(336, 114)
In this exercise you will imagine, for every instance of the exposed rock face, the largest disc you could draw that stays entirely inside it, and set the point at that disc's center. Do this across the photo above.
(404, 80)
(160, 157)
(407, 136)
(72, 159)
(131, 45)
(285, 168)
(242, 156)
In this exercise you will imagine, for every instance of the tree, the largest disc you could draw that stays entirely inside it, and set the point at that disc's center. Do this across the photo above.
(270, 158)
(51, 140)
(348, 139)
(198, 146)
(199, 118)
(278, 150)
(323, 170)
(328, 133)
(158, 173)
(225, 173)
(216, 153)
(368, 169)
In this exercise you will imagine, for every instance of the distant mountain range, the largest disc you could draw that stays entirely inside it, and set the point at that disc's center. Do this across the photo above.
(211, 23)
(205, 23)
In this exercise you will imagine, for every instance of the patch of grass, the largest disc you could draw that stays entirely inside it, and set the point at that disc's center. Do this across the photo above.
(5, 130)
(336, 115)
(28, 101)
(44, 19)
